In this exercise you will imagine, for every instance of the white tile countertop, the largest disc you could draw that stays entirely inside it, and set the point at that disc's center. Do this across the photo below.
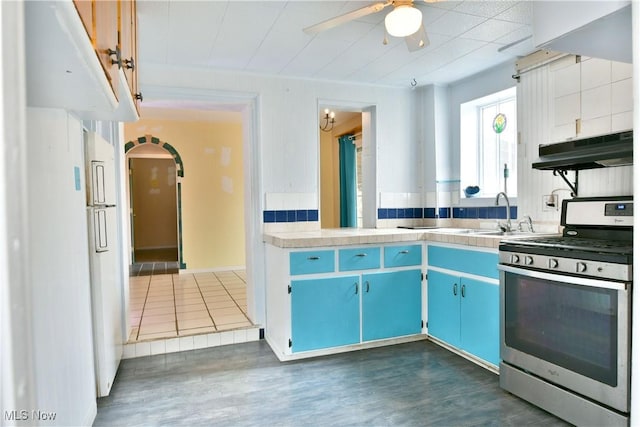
(359, 236)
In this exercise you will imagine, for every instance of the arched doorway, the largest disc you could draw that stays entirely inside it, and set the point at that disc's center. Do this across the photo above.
(155, 192)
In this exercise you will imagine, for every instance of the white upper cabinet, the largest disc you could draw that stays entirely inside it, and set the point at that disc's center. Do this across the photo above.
(589, 96)
(74, 61)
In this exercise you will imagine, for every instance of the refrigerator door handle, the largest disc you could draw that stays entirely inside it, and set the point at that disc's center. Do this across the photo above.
(100, 230)
(98, 184)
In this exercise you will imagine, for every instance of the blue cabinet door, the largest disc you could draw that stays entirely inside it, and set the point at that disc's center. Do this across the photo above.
(479, 323)
(325, 313)
(391, 304)
(443, 307)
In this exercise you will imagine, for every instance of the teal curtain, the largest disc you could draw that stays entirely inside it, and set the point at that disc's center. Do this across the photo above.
(348, 208)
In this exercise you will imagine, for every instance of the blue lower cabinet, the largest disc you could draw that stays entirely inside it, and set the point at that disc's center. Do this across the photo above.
(464, 313)
(391, 304)
(325, 313)
(443, 306)
(479, 319)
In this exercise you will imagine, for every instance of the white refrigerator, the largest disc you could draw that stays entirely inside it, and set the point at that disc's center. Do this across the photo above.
(106, 289)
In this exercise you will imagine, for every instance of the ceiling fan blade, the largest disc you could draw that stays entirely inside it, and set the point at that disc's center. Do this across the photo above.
(350, 16)
(417, 40)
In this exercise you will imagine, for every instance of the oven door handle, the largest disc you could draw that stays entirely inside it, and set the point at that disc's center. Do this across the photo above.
(581, 281)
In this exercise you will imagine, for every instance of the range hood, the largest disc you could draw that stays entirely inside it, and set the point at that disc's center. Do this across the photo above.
(588, 153)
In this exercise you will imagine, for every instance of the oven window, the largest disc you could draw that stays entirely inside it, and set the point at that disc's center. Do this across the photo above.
(572, 326)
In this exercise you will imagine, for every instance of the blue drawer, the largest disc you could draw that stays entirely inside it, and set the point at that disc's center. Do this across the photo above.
(311, 262)
(359, 259)
(402, 256)
(467, 261)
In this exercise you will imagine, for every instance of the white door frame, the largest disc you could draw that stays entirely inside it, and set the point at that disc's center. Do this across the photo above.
(248, 105)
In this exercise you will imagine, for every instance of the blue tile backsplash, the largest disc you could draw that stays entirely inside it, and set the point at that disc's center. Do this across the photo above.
(488, 212)
(485, 212)
(290, 215)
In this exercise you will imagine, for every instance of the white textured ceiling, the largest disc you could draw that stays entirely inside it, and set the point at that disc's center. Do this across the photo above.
(266, 37)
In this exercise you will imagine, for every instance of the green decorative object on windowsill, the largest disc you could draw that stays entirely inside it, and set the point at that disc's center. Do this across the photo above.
(499, 123)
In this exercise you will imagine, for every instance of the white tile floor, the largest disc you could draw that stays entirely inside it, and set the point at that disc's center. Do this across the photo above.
(178, 305)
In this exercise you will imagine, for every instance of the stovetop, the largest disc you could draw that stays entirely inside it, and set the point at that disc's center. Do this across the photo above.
(567, 243)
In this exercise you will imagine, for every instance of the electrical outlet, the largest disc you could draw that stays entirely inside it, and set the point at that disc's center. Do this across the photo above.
(550, 202)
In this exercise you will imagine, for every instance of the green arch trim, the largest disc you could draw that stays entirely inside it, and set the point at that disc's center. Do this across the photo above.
(179, 171)
(170, 148)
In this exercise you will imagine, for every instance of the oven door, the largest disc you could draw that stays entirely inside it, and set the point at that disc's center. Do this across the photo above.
(571, 331)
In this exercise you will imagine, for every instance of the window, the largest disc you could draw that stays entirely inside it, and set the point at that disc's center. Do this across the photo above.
(488, 142)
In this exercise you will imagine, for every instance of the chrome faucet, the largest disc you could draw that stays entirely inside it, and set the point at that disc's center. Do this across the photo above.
(526, 220)
(505, 226)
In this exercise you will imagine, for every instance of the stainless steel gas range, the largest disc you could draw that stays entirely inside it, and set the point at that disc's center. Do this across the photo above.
(565, 314)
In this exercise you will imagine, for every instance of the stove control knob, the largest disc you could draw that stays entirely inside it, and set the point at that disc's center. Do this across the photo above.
(581, 267)
(553, 263)
(515, 259)
(528, 260)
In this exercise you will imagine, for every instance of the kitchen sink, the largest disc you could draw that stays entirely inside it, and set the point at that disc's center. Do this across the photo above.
(465, 231)
(485, 232)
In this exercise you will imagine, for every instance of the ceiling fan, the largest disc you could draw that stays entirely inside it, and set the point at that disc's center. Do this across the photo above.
(405, 20)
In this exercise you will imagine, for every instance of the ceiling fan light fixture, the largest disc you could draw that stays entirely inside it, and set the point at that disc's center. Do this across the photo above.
(403, 21)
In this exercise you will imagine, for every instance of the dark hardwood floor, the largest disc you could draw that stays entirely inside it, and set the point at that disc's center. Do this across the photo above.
(154, 261)
(156, 255)
(245, 385)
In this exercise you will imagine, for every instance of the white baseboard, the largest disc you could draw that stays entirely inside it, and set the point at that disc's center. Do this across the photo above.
(152, 248)
(211, 270)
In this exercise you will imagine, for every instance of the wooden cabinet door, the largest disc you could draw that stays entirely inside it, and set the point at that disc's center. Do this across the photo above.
(85, 10)
(443, 304)
(325, 313)
(391, 304)
(106, 38)
(127, 38)
(479, 319)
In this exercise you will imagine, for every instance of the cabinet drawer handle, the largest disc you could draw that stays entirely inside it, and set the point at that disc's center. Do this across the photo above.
(462, 291)
(361, 255)
(367, 283)
(356, 285)
(455, 289)
(313, 258)
(404, 252)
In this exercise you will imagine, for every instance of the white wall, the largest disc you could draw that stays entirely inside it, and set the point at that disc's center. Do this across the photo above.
(16, 367)
(288, 123)
(493, 80)
(59, 265)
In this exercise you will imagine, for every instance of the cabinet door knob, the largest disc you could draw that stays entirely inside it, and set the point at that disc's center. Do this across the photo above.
(462, 291)
(367, 283)
(362, 255)
(313, 258)
(118, 55)
(356, 285)
(130, 64)
(455, 289)
(404, 252)
(138, 96)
